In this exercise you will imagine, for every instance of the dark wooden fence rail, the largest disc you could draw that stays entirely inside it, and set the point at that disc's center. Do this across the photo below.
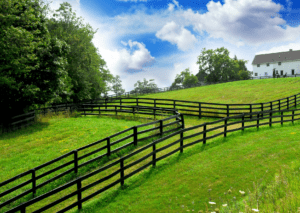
(201, 108)
(107, 142)
(153, 152)
(19, 121)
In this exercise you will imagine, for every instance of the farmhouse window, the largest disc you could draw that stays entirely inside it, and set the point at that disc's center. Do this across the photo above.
(276, 71)
(279, 63)
(293, 72)
(256, 74)
(281, 72)
(258, 65)
(266, 73)
(268, 64)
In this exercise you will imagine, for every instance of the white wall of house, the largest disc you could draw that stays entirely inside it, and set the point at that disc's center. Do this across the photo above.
(286, 67)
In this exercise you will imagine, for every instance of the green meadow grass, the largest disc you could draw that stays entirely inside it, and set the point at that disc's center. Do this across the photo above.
(217, 172)
(54, 135)
(92, 128)
(239, 92)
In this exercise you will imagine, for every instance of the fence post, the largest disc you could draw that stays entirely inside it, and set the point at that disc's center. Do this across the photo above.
(120, 101)
(225, 127)
(154, 156)
(122, 170)
(161, 127)
(105, 100)
(270, 121)
(137, 101)
(251, 111)
(204, 133)
(116, 110)
(76, 161)
(279, 105)
(243, 121)
(288, 102)
(135, 135)
(262, 109)
(227, 111)
(33, 183)
(293, 116)
(257, 125)
(174, 105)
(199, 110)
(23, 210)
(79, 194)
(295, 101)
(181, 142)
(108, 146)
(281, 117)
(271, 105)
(182, 121)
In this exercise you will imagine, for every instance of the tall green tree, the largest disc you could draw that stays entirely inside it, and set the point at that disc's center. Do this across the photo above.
(185, 78)
(86, 68)
(144, 86)
(32, 64)
(117, 86)
(217, 66)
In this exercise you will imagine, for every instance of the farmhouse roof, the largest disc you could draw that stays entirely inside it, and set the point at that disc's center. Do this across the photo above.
(276, 57)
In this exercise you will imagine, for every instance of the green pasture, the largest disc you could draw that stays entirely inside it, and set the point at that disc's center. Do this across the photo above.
(178, 183)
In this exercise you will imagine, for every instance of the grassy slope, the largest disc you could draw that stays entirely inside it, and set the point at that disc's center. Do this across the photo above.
(240, 92)
(42, 142)
(241, 95)
(181, 182)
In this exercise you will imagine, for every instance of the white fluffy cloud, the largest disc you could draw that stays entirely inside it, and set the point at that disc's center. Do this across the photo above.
(177, 35)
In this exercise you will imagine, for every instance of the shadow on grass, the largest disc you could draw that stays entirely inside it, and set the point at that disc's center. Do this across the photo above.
(35, 127)
(138, 180)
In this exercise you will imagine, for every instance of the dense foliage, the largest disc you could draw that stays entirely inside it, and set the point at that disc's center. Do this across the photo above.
(89, 78)
(32, 63)
(217, 66)
(144, 86)
(46, 60)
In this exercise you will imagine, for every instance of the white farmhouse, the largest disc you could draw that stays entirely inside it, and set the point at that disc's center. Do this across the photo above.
(282, 62)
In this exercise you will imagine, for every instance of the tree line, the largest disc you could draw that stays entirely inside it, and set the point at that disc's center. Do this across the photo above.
(47, 60)
(53, 60)
(214, 66)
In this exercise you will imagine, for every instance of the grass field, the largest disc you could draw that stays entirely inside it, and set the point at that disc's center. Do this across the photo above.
(184, 179)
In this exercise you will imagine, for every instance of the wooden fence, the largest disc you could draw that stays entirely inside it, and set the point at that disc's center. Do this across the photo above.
(19, 121)
(204, 109)
(108, 144)
(165, 89)
(153, 152)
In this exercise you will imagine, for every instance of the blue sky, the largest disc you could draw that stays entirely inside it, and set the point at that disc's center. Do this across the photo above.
(157, 39)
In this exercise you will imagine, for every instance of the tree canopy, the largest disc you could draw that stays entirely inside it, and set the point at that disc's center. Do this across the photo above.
(185, 79)
(32, 67)
(117, 86)
(217, 66)
(86, 68)
(144, 86)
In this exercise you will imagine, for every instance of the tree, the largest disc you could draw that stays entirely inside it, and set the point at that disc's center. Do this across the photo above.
(184, 76)
(217, 66)
(117, 86)
(32, 69)
(86, 68)
(144, 87)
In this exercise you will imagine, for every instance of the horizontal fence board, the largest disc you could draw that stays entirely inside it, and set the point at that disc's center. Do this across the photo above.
(53, 161)
(148, 137)
(138, 161)
(122, 139)
(55, 178)
(147, 130)
(55, 169)
(92, 160)
(15, 188)
(90, 153)
(121, 147)
(92, 144)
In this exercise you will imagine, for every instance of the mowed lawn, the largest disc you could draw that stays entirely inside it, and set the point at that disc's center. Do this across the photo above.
(239, 92)
(67, 134)
(187, 182)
